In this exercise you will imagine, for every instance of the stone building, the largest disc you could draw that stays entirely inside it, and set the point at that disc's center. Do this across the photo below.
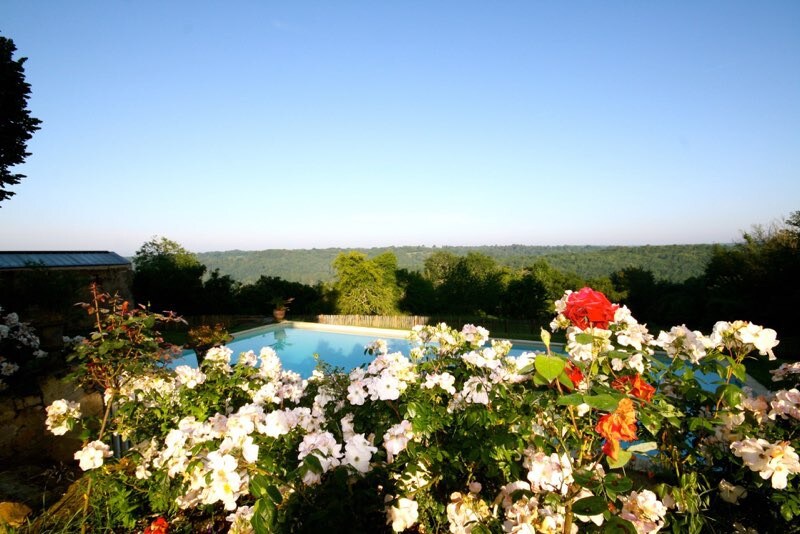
(43, 287)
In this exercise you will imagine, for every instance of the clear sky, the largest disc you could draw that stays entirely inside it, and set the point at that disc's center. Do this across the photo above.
(256, 124)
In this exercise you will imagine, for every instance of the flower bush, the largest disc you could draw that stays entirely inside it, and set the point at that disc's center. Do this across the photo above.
(458, 436)
(19, 347)
(204, 337)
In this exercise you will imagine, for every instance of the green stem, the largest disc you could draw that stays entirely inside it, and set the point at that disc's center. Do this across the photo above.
(88, 492)
(729, 375)
(568, 518)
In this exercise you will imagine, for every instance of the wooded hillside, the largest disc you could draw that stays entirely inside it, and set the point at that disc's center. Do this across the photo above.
(674, 263)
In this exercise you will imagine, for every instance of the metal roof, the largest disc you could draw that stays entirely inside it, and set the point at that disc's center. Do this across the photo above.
(61, 259)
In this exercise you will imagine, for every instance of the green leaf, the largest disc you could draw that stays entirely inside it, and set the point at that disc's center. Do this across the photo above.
(590, 506)
(700, 422)
(603, 402)
(786, 511)
(739, 371)
(549, 366)
(263, 515)
(731, 393)
(312, 462)
(527, 369)
(617, 525)
(573, 399)
(545, 335)
(617, 483)
(585, 479)
(643, 447)
(584, 339)
(274, 494)
(258, 486)
(622, 459)
(539, 380)
(566, 381)
(650, 422)
(674, 421)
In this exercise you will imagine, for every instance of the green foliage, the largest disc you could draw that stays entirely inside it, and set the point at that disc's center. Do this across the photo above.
(220, 294)
(525, 297)
(204, 337)
(515, 282)
(473, 285)
(757, 277)
(260, 296)
(155, 253)
(754, 278)
(366, 286)
(168, 277)
(16, 124)
(674, 263)
(125, 342)
(114, 502)
(418, 292)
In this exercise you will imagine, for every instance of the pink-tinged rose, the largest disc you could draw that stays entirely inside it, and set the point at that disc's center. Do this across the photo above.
(587, 307)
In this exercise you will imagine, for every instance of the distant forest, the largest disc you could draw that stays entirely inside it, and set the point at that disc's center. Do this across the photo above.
(671, 263)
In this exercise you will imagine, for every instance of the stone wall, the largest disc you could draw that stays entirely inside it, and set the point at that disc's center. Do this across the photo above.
(23, 435)
(46, 298)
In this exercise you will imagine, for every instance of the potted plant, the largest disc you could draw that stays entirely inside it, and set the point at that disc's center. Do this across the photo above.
(203, 338)
(280, 307)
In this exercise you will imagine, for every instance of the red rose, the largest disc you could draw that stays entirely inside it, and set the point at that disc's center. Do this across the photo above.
(619, 425)
(159, 526)
(574, 373)
(634, 385)
(588, 307)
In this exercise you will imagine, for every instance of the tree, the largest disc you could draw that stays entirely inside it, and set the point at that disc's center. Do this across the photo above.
(472, 286)
(554, 281)
(219, 293)
(438, 267)
(160, 249)
(259, 296)
(16, 124)
(363, 286)
(525, 297)
(419, 297)
(637, 288)
(757, 278)
(168, 277)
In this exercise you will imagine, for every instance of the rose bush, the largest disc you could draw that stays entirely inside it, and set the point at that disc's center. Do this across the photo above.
(19, 348)
(460, 436)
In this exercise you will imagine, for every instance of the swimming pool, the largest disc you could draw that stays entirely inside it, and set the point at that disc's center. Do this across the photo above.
(296, 343)
(343, 346)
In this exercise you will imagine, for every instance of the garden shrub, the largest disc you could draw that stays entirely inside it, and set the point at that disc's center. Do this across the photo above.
(457, 436)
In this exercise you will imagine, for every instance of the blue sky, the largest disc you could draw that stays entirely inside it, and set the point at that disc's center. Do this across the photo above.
(255, 124)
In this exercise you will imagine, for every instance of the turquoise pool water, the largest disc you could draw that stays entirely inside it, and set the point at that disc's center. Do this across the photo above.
(297, 346)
